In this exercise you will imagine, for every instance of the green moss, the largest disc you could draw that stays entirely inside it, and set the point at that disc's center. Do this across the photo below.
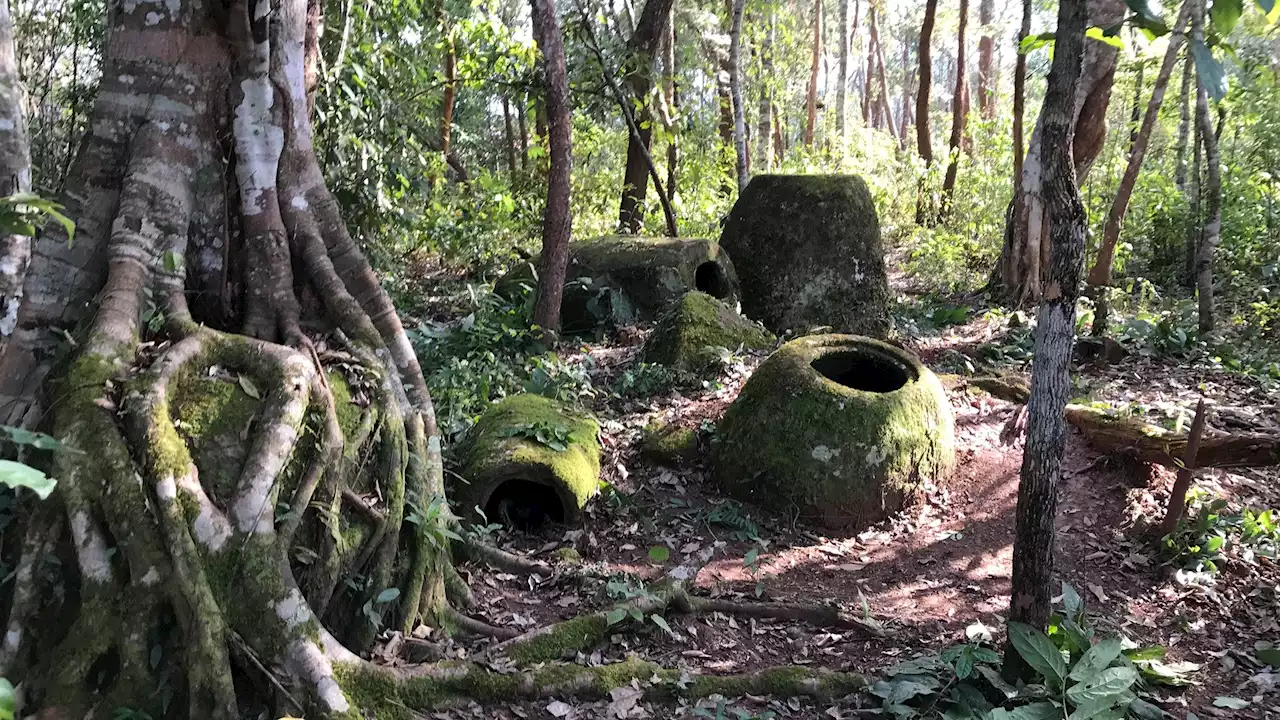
(690, 334)
(579, 634)
(212, 417)
(846, 457)
(668, 444)
(809, 254)
(498, 449)
(349, 414)
(567, 555)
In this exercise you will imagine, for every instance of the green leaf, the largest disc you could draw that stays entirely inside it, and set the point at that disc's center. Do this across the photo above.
(1097, 33)
(1231, 703)
(1144, 710)
(661, 622)
(1039, 652)
(7, 705)
(1268, 656)
(1096, 660)
(1035, 711)
(1109, 684)
(1209, 71)
(615, 616)
(1072, 604)
(16, 475)
(992, 676)
(249, 388)
(1034, 42)
(659, 553)
(172, 261)
(387, 595)
(1225, 14)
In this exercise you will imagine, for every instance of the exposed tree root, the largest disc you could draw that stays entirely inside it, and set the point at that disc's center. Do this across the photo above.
(828, 616)
(473, 626)
(501, 559)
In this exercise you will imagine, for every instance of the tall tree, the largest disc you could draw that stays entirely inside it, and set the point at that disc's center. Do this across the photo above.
(1184, 122)
(15, 177)
(169, 547)
(842, 76)
(735, 92)
(1019, 111)
(886, 104)
(959, 111)
(1050, 371)
(1212, 190)
(450, 95)
(1100, 274)
(509, 137)
(1021, 272)
(987, 68)
(924, 141)
(638, 74)
(811, 96)
(671, 99)
(764, 158)
(557, 219)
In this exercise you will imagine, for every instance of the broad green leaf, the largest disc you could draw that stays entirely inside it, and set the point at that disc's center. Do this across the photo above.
(1268, 656)
(1096, 660)
(1231, 703)
(992, 676)
(1225, 14)
(1209, 71)
(387, 595)
(1097, 33)
(1035, 711)
(1174, 674)
(1144, 710)
(7, 706)
(1072, 604)
(964, 665)
(1039, 652)
(16, 475)
(659, 553)
(1108, 684)
(1035, 42)
(661, 622)
(1150, 652)
(616, 615)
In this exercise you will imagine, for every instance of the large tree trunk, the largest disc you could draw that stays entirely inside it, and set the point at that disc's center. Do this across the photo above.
(735, 93)
(924, 141)
(765, 126)
(959, 109)
(1024, 260)
(639, 79)
(1212, 190)
(15, 177)
(1032, 585)
(557, 220)
(987, 68)
(811, 96)
(181, 538)
(1100, 275)
(842, 75)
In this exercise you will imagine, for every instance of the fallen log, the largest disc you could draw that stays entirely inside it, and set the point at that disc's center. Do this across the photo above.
(1151, 443)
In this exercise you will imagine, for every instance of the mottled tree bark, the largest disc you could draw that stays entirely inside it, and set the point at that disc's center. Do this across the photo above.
(639, 79)
(1041, 473)
(842, 75)
(1100, 275)
(735, 93)
(987, 68)
(1184, 122)
(811, 95)
(509, 137)
(765, 111)
(557, 220)
(885, 105)
(959, 111)
(1212, 190)
(924, 141)
(15, 177)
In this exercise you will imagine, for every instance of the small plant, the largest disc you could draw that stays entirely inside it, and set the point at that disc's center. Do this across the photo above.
(1205, 536)
(431, 520)
(374, 607)
(644, 380)
(484, 530)
(732, 515)
(554, 436)
(630, 593)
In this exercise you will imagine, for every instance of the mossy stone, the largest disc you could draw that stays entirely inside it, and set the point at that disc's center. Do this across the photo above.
(691, 332)
(843, 428)
(808, 254)
(615, 280)
(504, 457)
(669, 444)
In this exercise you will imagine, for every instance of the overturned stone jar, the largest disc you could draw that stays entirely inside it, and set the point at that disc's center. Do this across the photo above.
(528, 461)
(808, 253)
(693, 331)
(620, 279)
(841, 428)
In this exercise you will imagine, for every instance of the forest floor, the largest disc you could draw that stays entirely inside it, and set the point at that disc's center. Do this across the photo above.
(926, 574)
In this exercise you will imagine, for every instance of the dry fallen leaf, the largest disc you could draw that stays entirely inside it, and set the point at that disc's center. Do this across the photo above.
(559, 709)
(622, 701)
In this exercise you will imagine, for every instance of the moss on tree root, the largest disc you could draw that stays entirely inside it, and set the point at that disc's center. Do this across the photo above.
(398, 695)
(796, 438)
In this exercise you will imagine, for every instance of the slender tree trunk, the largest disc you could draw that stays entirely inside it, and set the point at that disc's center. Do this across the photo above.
(639, 79)
(672, 91)
(1032, 585)
(1184, 122)
(960, 109)
(15, 177)
(1195, 195)
(450, 82)
(523, 124)
(987, 68)
(1135, 109)
(811, 97)
(557, 221)
(509, 137)
(884, 83)
(735, 92)
(1100, 275)
(869, 75)
(924, 142)
(779, 140)
(1212, 190)
(906, 121)
(842, 76)
(765, 126)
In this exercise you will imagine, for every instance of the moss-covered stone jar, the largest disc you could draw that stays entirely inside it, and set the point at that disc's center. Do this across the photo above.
(839, 428)
(527, 461)
(689, 335)
(808, 254)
